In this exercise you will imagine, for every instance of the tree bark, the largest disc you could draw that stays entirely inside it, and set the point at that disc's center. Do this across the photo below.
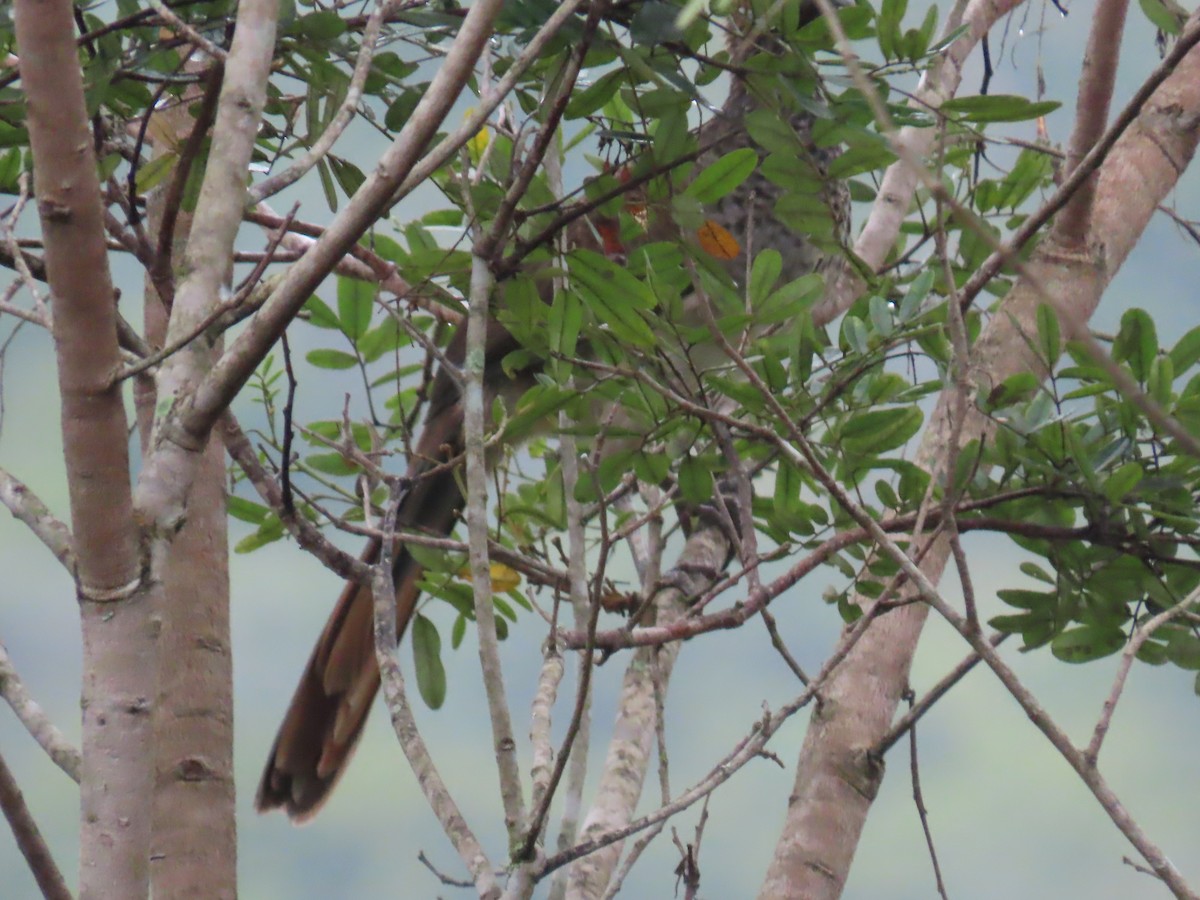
(119, 629)
(195, 827)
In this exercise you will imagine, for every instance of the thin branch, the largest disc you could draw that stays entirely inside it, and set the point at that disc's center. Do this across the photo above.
(322, 145)
(1140, 636)
(922, 812)
(1072, 227)
(29, 838)
(998, 258)
(939, 690)
(307, 535)
(475, 409)
(383, 592)
(173, 22)
(36, 722)
(748, 748)
(160, 268)
(28, 508)
(1076, 759)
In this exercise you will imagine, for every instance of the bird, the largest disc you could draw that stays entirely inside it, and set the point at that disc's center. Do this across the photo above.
(324, 721)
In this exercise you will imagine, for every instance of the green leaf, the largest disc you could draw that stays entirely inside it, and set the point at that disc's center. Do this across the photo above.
(1186, 351)
(1160, 380)
(855, 334)
(155, 172)
(268, 532)
(891, 12)
(724, 175)
(672, 138)
(1032, 170)
(1049, 337)
(787, 303)
(326, 179)
(1033, 570)
(614, 296)
(385, 337)
(917, 292)
(863, 156)
(10, 168)
(330, 464)
(880, 430)
(1165, 15)
(319, 26)
(1026, 599)
(1087, 643)
(591, 98)
(880, 312)
(998, 108)
(1136, 343)
(886, 494)
(349, 176)
(458, 631)
(763, 275)
(401, 109)
(355, 299)
(1015, 389)
(602, 275)
(1019, 623)
(566, 319)
(331, 359)
(770, 132)
(1183, 649)
(695, 480)
(1121, 482)
(320, 314)
(427, 662)
(247, 510)
(788, 508)
(1152, 653)
(849, 611)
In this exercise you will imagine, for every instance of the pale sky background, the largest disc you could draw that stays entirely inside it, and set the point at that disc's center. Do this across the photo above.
(1008, 817)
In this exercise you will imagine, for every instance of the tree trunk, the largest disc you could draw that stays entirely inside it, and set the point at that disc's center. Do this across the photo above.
(194, 845)
(119, 630)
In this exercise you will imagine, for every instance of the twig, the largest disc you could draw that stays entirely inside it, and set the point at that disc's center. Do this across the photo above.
(748, 748)
(1140, 636)
(28, 508)
(1076, 759)
(474, 419)
(307, 535)
(29, 839)
(285, 456)
(781, 647)
(345, 114)
(175, 23)
(35, 720)
(1073, 224)
(383, 592)
(922, 812)
(160, 268)
(939, 690)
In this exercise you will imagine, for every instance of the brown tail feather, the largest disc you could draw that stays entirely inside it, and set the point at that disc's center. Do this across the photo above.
(331, 703)
(327, 713)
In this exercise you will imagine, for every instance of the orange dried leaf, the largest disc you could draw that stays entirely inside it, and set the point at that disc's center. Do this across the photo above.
(716, 241)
